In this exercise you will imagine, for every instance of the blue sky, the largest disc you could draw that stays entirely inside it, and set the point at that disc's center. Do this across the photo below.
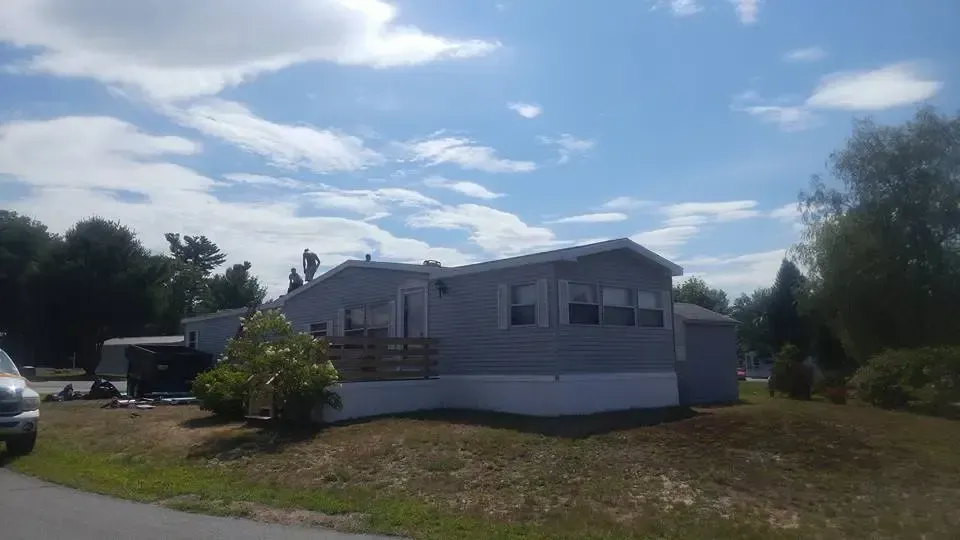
(458, 131)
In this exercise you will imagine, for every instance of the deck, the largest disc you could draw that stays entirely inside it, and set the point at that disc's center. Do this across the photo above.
(364, 358)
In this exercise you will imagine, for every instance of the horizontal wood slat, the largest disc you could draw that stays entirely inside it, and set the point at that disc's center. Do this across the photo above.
(381, 358)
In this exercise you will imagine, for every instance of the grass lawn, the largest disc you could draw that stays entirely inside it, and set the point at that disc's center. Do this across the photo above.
(769, 468)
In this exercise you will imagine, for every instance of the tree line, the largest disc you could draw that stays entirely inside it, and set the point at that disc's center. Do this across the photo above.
(64, 295)
(880, 251)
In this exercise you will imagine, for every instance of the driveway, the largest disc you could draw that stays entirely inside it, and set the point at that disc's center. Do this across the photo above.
(31, 509)
(52, 387)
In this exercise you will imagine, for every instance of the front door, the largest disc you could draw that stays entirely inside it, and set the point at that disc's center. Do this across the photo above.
(414, 313)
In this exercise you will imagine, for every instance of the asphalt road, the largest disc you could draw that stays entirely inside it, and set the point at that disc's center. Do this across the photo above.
(52, 387)
(31, 509)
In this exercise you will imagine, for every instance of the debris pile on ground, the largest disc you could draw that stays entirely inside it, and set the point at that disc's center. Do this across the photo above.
(99, 389)
(150, 401)
(104, 389)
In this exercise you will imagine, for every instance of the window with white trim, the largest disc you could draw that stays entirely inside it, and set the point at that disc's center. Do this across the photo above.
(523, 305)
(583, 303)
(650, 312)
(193, 339)
(320, 329)
(619, 306)
(368, 320)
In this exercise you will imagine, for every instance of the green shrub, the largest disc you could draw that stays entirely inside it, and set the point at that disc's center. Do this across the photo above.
(790, 374)
(896, 377)
(223, 390)
(294, 364)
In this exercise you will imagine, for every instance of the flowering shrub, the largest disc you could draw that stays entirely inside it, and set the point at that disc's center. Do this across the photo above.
(294, 365)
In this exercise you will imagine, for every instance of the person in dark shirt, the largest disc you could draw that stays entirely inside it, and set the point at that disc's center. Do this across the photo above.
(310, 264)
(295, 281)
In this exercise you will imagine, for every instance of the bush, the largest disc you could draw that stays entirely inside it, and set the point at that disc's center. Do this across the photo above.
(894, 378)
(833, 386)
(293, 364)
(790, 374)
(223, 390)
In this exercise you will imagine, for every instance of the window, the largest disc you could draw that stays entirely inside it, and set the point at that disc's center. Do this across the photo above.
(523, 305)
(650, 309)
(618, 307)
(378, 319)
(319, 330)
(582, 303)
(369, 320)
(193, 339)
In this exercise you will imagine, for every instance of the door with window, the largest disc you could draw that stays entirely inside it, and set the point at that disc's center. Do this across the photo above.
(413, 313)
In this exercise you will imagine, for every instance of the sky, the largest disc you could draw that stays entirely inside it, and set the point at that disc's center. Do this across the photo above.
(459, 131)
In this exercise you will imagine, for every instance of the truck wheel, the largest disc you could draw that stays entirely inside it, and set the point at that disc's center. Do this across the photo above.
(21, 445)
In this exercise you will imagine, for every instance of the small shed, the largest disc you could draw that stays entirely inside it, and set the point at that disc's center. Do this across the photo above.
(706, 346)
(113, 360)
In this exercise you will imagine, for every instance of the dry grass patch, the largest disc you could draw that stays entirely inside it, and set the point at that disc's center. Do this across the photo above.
(766, 469)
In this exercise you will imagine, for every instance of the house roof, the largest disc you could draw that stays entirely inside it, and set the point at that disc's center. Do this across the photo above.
(565, 254)
(698, 314)
(145, 340)
(214, 315)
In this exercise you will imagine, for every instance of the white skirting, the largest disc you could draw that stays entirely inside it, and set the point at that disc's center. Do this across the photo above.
(531, 395)
(374, 398)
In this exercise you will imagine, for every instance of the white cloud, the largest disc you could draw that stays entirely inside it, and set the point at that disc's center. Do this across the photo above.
(604, 217)
(625, 203)
(568, 145)
(891, 86)
(75, 167)
(737, 274)
(526, 110)
(681, 221)
(667, 237)
(713, 211)
(463, 187)
(370, 203)
(679, 8)
(260, 180)
(789, 119)
(805, 54)
(178, 49)
(286, 146)
(495, 231)
(465, 153)
(790, 214)
(747, 10)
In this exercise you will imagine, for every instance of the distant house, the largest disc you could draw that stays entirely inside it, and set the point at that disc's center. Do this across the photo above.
(571, 331)
(113, 360)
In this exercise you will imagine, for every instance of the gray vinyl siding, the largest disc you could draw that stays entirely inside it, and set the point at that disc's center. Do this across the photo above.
(213, 333)
(709, 375)
(351, 287)
(470, 341)
(612, 349)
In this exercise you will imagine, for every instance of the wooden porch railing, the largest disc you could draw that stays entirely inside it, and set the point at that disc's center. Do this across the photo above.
(364, 358)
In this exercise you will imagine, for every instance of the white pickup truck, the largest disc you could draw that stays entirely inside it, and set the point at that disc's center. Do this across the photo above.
(19, 409)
